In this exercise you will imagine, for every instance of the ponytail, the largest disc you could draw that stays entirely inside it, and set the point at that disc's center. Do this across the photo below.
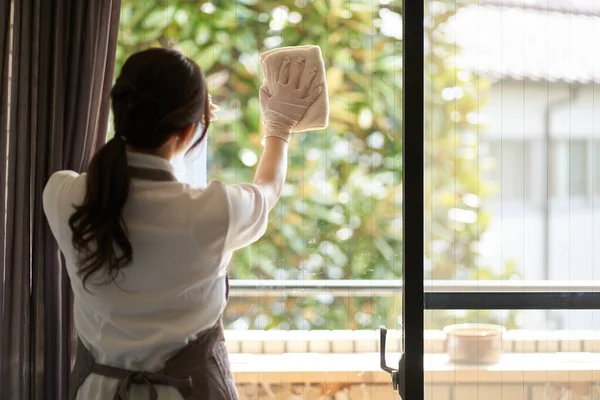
(99, 231)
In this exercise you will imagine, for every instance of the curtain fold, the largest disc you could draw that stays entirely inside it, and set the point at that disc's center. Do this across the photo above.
(54, 115)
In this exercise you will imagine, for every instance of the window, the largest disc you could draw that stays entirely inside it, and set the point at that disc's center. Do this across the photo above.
(504, 249)
(510, 172)
(569, 169)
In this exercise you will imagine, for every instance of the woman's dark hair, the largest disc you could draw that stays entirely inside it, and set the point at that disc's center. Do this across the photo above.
(159, 93)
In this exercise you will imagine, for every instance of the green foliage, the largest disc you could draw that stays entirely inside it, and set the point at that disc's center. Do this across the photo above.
(340, 216)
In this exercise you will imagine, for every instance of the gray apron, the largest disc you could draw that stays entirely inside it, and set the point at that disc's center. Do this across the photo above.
(200, 370)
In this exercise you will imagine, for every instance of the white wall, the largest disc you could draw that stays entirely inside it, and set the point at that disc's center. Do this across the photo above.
(517, 110)
(515, 114)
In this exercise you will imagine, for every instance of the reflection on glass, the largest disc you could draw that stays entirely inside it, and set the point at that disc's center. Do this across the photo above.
(511, 161)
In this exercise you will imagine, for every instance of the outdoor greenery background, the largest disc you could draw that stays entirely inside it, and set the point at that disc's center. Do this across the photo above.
(340, 215)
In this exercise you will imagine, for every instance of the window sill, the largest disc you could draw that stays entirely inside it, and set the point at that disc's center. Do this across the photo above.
(364, 368)
(347, 341)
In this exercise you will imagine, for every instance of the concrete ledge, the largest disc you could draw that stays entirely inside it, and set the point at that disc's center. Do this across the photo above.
(364, 368)
(347, 341)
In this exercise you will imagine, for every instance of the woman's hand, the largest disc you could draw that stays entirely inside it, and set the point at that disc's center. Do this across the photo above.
(282, 110)
(213, 109)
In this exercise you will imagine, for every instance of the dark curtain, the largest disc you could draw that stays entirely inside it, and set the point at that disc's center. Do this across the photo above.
(56, 71)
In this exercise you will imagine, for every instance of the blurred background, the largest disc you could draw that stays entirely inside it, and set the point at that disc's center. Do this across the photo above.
(511, 168)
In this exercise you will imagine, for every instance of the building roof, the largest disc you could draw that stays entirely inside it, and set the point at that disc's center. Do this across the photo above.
(528, 42)
(587, 7)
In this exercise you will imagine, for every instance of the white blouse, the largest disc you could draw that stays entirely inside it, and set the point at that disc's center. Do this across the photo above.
(183, 239)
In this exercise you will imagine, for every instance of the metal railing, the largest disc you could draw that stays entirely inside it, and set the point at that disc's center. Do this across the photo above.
(367, 288)
(441, 295)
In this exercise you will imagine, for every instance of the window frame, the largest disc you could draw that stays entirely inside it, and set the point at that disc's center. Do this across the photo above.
(412, 376)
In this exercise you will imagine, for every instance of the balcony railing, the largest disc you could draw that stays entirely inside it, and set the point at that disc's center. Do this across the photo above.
(368, 288)
(536, 364)
(442, 295)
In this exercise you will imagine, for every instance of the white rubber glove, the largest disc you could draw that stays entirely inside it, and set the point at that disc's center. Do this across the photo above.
(282, 110)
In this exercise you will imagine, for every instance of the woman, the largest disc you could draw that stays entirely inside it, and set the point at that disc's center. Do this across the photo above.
(146, 255)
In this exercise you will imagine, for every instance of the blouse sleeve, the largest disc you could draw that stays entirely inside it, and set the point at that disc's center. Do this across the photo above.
(248, 215)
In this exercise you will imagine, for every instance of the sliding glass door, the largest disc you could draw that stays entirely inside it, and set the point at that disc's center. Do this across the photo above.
(500, 267)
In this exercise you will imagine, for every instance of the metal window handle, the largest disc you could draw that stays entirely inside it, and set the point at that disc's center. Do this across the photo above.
(396, 374)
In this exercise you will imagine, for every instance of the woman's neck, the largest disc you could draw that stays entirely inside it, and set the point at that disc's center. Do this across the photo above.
(161, 152)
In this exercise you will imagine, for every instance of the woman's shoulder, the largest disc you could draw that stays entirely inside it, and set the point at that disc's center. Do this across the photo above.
(63, 189)
(63, 183)
(234, 193)
(59, 178)
(64, 174)
(219, 199)
(238, 213)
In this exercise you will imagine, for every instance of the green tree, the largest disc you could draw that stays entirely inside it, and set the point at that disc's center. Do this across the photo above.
(340, 216)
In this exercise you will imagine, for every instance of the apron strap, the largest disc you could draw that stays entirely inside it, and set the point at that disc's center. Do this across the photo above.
(227, 286)
(149, 174)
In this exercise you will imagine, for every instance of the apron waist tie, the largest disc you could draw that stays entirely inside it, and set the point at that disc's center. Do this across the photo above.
(149, 379)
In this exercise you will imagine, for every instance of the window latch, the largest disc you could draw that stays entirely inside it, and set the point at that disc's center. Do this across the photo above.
(396, 374)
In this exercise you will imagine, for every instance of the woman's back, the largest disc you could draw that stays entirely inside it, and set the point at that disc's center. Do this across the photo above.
(174, 288)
